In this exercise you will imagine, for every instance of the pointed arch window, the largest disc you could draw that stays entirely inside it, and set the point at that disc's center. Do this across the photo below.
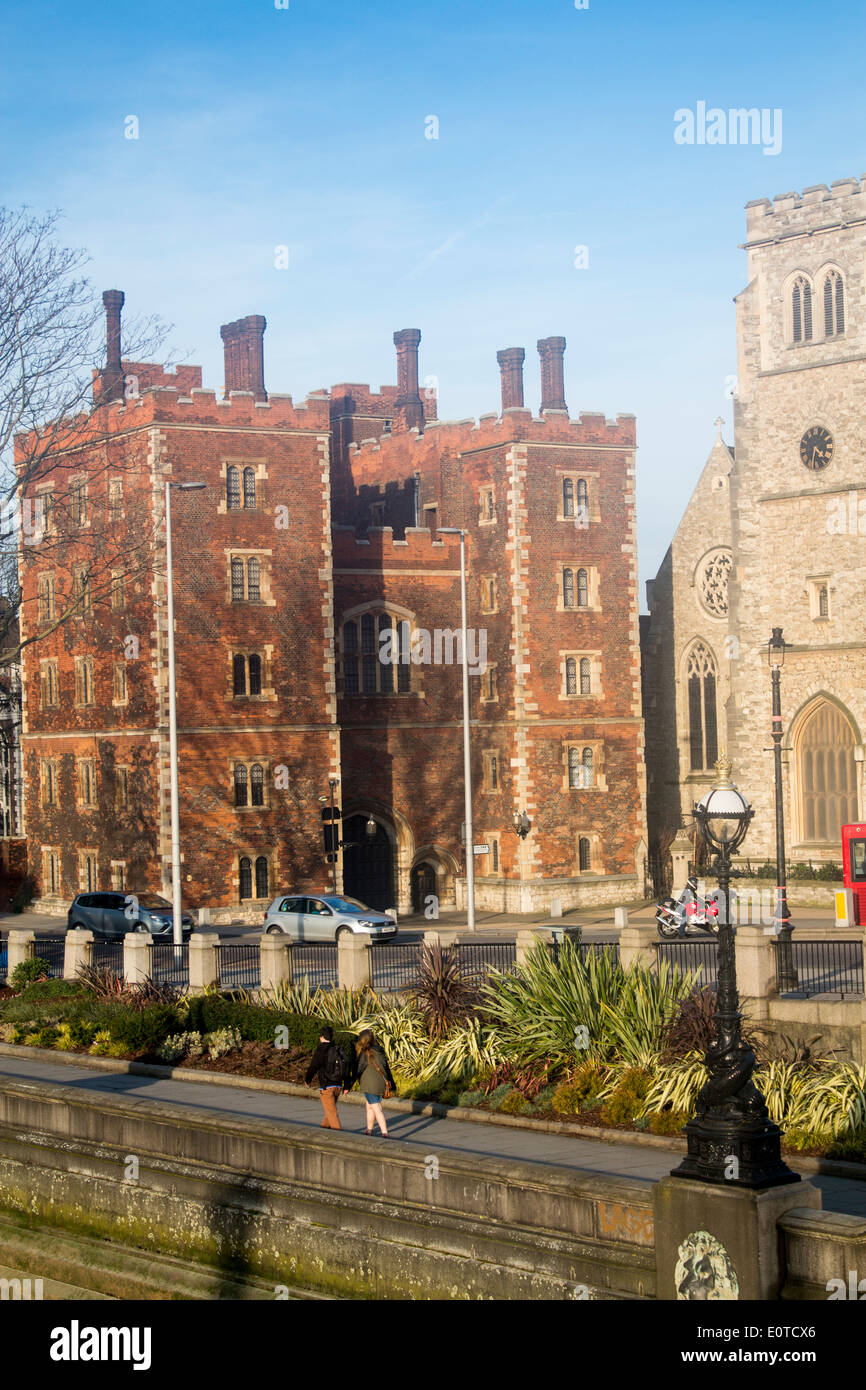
(583, 853)
(239, 675)
(568, 588)
(582, 498)
(568, 497)
(585, 676)
(571, 676)
(254, 580)
(801, 310)
(826, 774)
(237, 581)
(582, 589)
(249, 489)
(834, 304)
(701, 677)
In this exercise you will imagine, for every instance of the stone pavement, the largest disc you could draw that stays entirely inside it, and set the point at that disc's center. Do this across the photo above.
(433, 1136)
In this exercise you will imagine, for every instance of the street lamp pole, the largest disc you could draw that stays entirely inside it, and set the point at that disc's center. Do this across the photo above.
(782, 914)
(467, 762)
(731, 1139)
(176, 909)
(335, 838)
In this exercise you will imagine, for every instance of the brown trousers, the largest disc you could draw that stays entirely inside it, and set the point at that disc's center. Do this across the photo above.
(329, 1098)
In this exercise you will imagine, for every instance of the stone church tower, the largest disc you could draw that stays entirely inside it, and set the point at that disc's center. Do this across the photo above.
(795, 521)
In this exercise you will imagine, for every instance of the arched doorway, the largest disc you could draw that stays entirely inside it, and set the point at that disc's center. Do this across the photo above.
(368, 864)
(826, 773)
(423, 881)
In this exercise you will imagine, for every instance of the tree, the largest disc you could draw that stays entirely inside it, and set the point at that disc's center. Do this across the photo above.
(51, 337)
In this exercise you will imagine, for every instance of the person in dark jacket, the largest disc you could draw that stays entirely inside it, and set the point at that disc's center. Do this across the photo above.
(328, 1064)
(374, 1078)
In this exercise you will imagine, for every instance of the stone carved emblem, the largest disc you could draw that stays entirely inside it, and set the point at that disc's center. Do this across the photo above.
(704, 1271)
(712, 582)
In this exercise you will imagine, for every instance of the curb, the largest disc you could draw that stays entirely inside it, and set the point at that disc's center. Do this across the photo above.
(829, 1167)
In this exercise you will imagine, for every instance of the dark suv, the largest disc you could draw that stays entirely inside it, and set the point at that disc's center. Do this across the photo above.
(111, 915)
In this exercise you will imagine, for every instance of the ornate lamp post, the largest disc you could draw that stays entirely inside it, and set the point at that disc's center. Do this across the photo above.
(731, 1139)
(781, 914)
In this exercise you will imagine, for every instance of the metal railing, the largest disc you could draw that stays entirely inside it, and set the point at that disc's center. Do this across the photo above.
(51, 949)
(108, 955)
(317, 964)
(240, 965)
(395, 966)
(169, 964)
(477, 958)
(692, 956)
(825, 966)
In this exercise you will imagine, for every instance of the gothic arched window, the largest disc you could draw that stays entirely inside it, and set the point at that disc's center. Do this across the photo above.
(834, 304)
(571, 676)
(585, 676)
(827, 775)
(239, 675)
(584, 853)
(255, 674)
(568, 497)
(703, 730)
(254, 580)
(801, 310)
(582, 589)
(240, 784)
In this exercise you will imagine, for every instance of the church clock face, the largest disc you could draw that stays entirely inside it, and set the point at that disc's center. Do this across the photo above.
(816, 448)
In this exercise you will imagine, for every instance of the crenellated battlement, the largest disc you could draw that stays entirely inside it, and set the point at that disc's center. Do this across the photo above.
(463, 436)
(201, 405)
(378, 547)
(790, 214)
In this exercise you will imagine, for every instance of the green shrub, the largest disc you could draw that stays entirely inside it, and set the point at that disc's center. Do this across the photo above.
(178, 1045)
(469, 1098)
(543, 1101)
(800, 1139)
(52, 989)
(74, 1034)
(141, 1032)
(852, 1147)
(495, 1099)
(222, 1041)
(208, 1013)
(514, 1104)
(579, 1091)
(625, 1103)
(767, 870)
(27, 971)
(667, 1122)
(829, 873)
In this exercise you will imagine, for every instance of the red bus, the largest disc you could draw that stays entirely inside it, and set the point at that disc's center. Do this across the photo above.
(854, 867)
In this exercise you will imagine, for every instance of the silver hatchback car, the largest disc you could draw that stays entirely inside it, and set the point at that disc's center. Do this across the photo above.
(326, 917)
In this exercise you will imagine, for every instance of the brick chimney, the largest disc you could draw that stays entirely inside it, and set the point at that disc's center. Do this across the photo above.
(245, 355)
(111, 386)
(552, 351)
(409, 404)
(511, 370)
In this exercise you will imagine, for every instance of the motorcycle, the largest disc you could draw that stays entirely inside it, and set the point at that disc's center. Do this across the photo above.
(688, 912)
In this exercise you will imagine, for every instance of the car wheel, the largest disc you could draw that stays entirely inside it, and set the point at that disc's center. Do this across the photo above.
(273, 931)
(343, 931)
(78, 926)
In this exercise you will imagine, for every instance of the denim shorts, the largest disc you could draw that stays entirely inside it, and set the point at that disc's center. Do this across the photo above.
(372, 1100)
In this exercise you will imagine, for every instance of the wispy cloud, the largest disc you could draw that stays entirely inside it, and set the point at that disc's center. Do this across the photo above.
(450, 242)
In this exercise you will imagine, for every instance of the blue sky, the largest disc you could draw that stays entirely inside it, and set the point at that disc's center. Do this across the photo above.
(305, 127)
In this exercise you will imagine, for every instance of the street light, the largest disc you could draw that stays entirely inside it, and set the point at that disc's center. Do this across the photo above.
(467, 764)
(522, 824)
(781, 915)
(176, 910)
(731, 1139)
(333, 838)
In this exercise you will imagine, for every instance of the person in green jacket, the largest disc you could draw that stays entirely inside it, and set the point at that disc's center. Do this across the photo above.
(374, 1078)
